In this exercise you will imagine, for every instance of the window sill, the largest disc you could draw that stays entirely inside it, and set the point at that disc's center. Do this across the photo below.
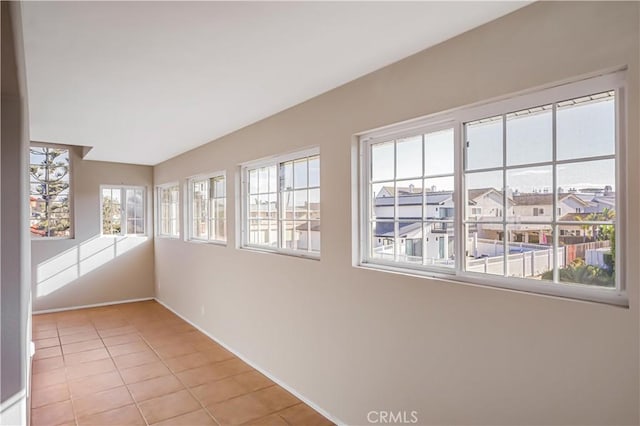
(291, 253)
(167, 237)
(212, 242)
(564, 291)
(34, 239)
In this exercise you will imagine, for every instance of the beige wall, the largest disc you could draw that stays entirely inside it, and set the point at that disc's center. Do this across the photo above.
(89, 272)
(353, 340)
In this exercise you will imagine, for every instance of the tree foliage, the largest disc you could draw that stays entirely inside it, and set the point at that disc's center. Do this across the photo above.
(49, 171)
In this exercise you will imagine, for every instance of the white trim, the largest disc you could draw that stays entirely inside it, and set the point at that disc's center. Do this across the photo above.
(94, 305)
(308, 151)
(257, 367)
(456, 119)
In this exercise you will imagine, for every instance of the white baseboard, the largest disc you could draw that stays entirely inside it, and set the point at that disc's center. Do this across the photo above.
(95, 305)
(257, 367)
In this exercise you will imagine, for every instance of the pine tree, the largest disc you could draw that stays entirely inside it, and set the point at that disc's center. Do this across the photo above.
(50, 183)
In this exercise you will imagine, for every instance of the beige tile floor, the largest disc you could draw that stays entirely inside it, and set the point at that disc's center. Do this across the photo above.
(139, 364)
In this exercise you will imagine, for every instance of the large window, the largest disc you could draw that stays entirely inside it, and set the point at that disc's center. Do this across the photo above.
(282, 204)
(207, 208)
(50, 188)
(123, 210)
(168, 215)
(411, 199)
(521, 193)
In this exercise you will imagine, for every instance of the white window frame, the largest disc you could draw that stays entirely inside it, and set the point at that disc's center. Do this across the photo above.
(158, 210)
(244, 218)
(123, 212)
(455, 119)
(189, 216)
(71, 172)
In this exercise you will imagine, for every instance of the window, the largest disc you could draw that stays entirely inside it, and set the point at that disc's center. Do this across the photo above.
(497, 172)
(168, 202)
(411, 199)
(50, 188)
(123, 210)
(282, 204)
(207, 208)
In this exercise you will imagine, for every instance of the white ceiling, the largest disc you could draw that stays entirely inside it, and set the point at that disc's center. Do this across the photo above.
(141, 82)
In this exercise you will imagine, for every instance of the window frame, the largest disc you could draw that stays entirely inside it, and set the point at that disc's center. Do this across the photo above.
(275, 160)
(189, 237)
(123, 191)
(158, 212)
(71, 153)
(456, 118)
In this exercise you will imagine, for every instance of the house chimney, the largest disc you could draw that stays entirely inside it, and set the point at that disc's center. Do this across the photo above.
(411, 187)
(433, 188)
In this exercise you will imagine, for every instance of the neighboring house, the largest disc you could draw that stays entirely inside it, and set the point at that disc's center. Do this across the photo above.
(484, 205)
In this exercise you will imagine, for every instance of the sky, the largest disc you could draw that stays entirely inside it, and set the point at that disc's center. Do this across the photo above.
(583, 130)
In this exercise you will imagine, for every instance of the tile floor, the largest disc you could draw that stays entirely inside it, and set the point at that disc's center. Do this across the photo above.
(139, 364)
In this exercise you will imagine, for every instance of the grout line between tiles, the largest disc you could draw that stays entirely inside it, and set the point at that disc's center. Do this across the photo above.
(182, 383)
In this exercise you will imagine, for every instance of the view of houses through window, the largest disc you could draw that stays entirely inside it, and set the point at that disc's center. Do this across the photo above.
(539, 195)
(50, 184)
(283, 204)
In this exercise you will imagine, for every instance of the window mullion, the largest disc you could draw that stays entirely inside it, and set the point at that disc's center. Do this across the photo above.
(505, 197)
(554, 218)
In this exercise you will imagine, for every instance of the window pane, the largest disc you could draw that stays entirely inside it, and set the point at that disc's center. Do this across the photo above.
(300, 173)
(439, 244)
(111, 216)
(440, 202)
(409, 199)
(273, 179)
(254, 232)
(484, 143)
(300, 204)
(438, 152)
(263, 180)
(382, 241)
(314, 203)
(484, 196)
(314, 235)
(485, 248)
(219, 188)
(586, 126)
(409, 157)
(530, 251)
(530, 136)
(289, 237)
(253, 205)
(314, 171)
(253, 181)
(409, 242)
(589, 257)
(589, 177)
(383, 200)
(287, 173)
(530, 190)
(273, 206)
(382, 160)
(219, 208)
(286, 198)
